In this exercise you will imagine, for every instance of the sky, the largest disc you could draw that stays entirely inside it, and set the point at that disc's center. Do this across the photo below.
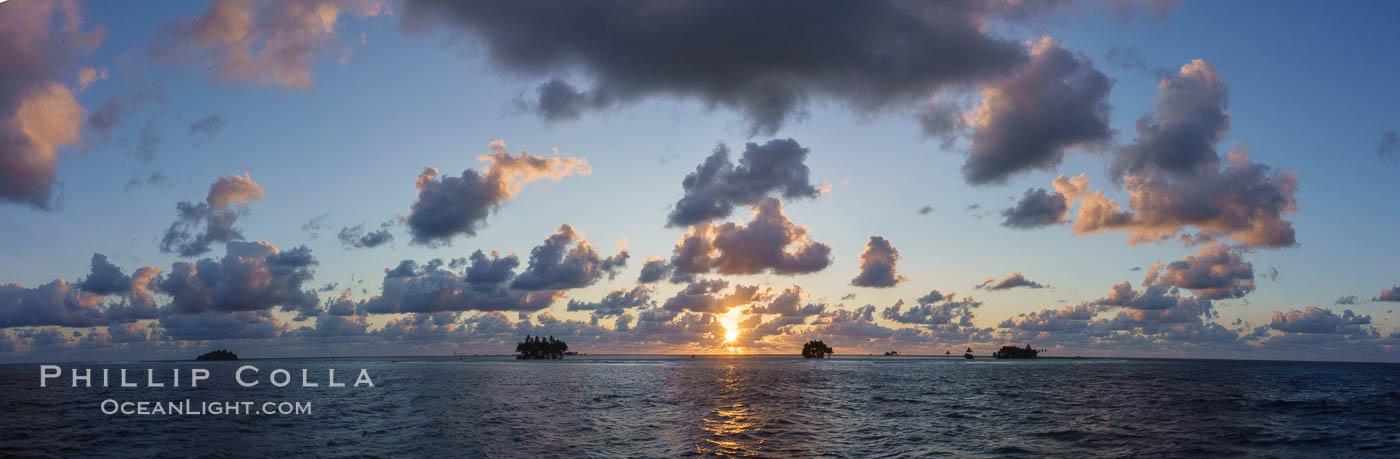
(332, 178)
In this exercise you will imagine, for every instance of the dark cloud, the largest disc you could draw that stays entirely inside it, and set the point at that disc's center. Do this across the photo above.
(554, 265)
(431, 289)
(1389, 144)
(55, 303)
(765, 61)
(792, 302)
(654, 269)
(925, 210)
(1318, 320)
(559, 101)
(197, 225)
(877, 265)
(208, 126)
(717, 185)
(39, 43)
(1012, 281)
(564, 261)
(1155, 304)
(1067, 319)
(770, 242)
(943, 121)
(1191, 116)
(1216, 272)
(1349, 300)
(1037, 207)
(356, 237)
(616, 302)
(252, 276)
(105, 296)
(487, 273)
(1390, 294)
(205, 326)
(105, 277)
(1028, 119)
(451, 206)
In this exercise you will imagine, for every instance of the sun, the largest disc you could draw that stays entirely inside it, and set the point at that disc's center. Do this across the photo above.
(730, 322)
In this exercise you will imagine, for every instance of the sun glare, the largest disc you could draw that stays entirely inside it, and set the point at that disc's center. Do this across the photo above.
(730, 322)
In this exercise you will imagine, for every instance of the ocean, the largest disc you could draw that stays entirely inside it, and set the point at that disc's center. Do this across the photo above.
(767, 406)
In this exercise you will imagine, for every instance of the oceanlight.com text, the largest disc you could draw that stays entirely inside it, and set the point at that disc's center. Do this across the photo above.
(191, 408)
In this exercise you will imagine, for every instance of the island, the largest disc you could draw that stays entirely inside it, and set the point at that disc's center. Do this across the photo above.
(968, 354)
(891, 353)
(540, 348)
(221, 354)
(816, 350)
(1013, 352)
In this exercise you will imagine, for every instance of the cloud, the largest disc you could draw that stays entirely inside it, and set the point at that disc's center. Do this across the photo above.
(252, 276)
(934, 309)
(1244, 201)
(1012, 281)
(88, 76)
(790, 303)
(1155, 304)
(451, 206)
(1390, 294)
(868, 56)
(1128, 58)
(925, 210)
(704, 296)
(431, 289)
(1036, 208)
(264, 43)
(768, 243)
(208, 126)
(207, 326)
(105, 277)
(564, 261)
(1349, 300)
(356, 237)
(1067, 319)
(653, 269)
(1216, 272)
(556, 266)
(1190, 117)
(877, 265)
(197, 225)
(717, 185)
(616, 302)
(1028, 119)
(1389, 144)
(1318, 320)
(155, 178)
(39, 42)
(55, 303)
(84, 304)
(1175, 179)
(146, 142)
